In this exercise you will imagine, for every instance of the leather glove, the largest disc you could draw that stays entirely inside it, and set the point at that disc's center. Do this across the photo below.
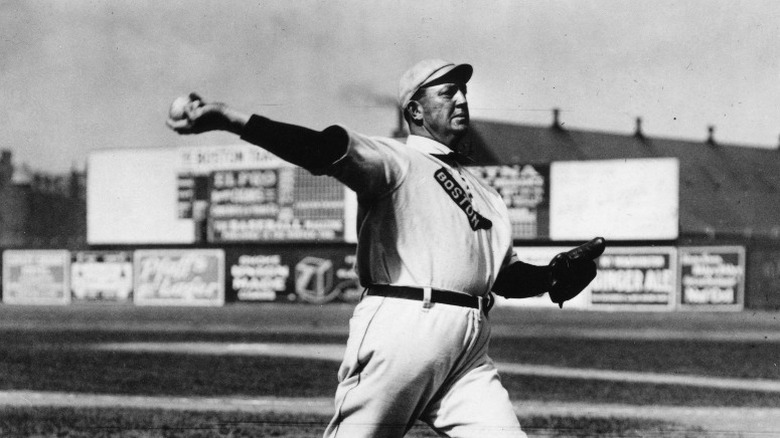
(572, 271)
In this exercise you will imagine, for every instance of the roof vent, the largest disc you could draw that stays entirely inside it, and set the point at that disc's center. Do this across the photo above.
(711, 135)
(556, 124)
(638, 129)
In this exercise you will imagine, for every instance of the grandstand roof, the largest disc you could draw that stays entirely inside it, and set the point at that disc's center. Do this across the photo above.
(724, 189)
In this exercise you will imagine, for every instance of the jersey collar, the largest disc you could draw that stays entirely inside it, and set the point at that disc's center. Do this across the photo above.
(426, 145)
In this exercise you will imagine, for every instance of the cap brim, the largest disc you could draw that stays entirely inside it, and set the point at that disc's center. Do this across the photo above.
(460, 73)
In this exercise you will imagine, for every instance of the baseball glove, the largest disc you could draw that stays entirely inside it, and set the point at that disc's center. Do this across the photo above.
(572, 271)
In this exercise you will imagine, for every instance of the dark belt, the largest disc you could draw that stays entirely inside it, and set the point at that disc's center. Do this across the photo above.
(437, 296)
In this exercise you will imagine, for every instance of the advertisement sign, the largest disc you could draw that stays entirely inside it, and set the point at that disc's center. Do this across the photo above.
(101, 276)
(635, 278)
(36, 277)
(196, 163)
(179, 277)
(200, 194)
(541, 256)
(326, 277)
(312, 274)
(257, 276)
(712, 278)
(278, 204)
(526, 192)
(628, 199)
(202, 160)
(131, 198)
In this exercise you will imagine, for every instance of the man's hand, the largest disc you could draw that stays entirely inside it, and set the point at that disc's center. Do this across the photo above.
(572, 271)
(200, 116)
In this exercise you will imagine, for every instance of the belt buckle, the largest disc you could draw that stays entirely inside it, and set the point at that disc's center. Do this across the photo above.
(427, 292)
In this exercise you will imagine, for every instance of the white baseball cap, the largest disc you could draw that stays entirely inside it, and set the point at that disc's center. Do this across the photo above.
(428, 72)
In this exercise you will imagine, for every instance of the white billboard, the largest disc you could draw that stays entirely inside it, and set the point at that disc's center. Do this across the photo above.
(101, 277)
(131, 198)
(635, 278)
(626, 199)
(36, 276)
(164, 196)
(712, 278)
(179, 277)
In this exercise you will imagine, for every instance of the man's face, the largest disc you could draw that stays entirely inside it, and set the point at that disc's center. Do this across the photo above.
(445, 111)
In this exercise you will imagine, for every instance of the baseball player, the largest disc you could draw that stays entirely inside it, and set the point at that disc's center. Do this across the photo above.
(433, 242)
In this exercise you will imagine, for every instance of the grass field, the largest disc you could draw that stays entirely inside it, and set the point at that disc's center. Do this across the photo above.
(50, 349)
(144, 423)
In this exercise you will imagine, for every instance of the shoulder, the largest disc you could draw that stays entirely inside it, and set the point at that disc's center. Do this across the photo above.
(372, 165)
(357, 139)
(378, 149)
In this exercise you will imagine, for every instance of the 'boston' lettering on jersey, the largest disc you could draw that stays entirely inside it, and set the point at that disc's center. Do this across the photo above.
(456, 192)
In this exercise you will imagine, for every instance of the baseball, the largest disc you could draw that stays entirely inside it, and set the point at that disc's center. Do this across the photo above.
(176, 112)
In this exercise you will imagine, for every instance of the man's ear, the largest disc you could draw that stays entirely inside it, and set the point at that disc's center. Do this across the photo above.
(415, 111)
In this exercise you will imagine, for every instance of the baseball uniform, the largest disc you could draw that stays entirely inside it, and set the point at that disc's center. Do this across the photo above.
(431, 225)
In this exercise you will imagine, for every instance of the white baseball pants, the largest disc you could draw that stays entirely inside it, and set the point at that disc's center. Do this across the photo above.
(405, 362)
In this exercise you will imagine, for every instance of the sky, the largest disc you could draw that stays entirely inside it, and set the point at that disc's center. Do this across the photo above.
(83, 75)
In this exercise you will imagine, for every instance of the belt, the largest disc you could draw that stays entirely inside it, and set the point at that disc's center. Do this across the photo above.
(437, 296)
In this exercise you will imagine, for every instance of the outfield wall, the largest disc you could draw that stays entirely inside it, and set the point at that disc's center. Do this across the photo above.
(212, 225)
(630, 278)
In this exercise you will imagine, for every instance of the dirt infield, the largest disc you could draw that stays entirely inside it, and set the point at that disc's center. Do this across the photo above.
(718, 422)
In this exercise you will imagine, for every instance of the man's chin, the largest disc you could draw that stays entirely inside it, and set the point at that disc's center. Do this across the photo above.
(461, 126)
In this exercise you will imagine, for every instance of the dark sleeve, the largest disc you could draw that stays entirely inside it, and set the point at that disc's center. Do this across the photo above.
(304, 147)
(521, 280)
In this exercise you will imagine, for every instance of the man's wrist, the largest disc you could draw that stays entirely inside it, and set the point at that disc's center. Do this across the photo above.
(236, 120)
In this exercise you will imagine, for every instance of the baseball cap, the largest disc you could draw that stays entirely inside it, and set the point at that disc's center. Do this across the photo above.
(428, 72)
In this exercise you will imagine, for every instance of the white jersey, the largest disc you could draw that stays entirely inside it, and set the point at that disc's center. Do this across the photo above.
(422, 222)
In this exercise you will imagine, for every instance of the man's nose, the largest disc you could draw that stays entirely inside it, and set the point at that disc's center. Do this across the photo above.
(460, 98)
